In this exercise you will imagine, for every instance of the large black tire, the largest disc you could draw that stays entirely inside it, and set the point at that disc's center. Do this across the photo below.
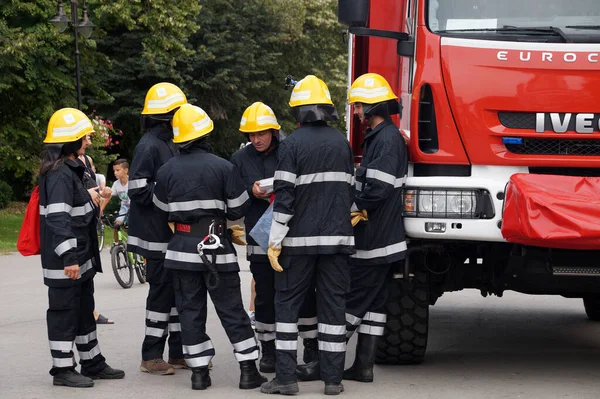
(121, 266)
(592, 307)
(140, 268)
(405, 337)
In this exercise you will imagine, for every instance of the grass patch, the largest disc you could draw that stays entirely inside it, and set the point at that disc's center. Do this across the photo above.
(11, 219)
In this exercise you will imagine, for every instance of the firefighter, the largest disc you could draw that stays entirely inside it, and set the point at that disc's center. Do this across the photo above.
(312, 232)
(69, 252)
(377, 216)
(197, 191)
(148, 235)
(258, 162)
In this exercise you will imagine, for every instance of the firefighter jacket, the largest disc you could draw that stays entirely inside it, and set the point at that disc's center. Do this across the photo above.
(195, 188)
(67, 226)
(314, 186)
(254, 165)
(379, 181)
(149, 233)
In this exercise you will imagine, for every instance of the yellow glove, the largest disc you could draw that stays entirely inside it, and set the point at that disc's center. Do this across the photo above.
(237, 232)
(172, 226)
(273, 254)
(358, 216)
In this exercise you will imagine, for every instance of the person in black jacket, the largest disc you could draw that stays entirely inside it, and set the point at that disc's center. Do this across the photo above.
(197, 191)
(380, 241)
(69, 252)
(311, 230)
(149, 234)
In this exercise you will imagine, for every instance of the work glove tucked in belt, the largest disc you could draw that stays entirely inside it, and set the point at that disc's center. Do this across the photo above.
(358, 216)
(276, 236)
(237, 232)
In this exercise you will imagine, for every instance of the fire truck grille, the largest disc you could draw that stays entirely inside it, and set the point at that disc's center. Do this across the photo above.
(517, 120)
(556, 147)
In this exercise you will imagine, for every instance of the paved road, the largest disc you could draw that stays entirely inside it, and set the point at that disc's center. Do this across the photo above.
(513, 347)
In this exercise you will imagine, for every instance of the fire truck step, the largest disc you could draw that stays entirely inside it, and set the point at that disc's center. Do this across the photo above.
(576, 271)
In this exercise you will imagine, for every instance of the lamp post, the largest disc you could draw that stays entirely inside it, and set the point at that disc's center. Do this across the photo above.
(84, 26)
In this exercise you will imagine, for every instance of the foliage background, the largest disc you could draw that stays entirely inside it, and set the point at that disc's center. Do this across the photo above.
(224, 54)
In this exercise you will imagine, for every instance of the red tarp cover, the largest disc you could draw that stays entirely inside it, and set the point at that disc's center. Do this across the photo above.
(552, 211)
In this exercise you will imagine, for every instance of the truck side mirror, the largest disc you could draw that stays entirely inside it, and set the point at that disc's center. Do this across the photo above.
(353, 13)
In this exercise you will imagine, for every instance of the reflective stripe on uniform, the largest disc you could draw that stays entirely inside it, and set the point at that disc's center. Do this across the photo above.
(255, 250)
(242, 357)
(317, 241)
(198, 348)
(174, 312)
(351, 319)
(63, 207)
(332, 346)
(159, 204)
(89, 355)
(386, 177)
(285, 176)
(243, 345)
(332, 329)
(196, 204)
(201, 361)
(195, 257)
(307, 321)
(65, 246)
(323, 177)
(63, 362)
(286, 327)
(308, 334)
(370, 330)
(63, 346)
(239, 201)
(264, 326)
(85, 339)
(174, 327)
(156, 316)
(282, 217)
(270, 336)
(156, 332)
(380, 252)
(282, 345)
(377, 317)
(60, 274)
(137, 183)
(147, 245)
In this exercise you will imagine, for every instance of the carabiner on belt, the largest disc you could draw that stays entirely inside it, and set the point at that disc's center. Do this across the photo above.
(211, 242)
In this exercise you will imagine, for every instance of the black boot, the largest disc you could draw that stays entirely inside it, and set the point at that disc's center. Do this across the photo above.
(250, 377)
(333, 389)
(282, 388)
(311, 350)
(107, 373)
(200, 378)
(362, 369)
(71, 378)
(309, 371)
(267, 361)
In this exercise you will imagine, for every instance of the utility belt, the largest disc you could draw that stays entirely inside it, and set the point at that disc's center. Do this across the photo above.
(203, 227)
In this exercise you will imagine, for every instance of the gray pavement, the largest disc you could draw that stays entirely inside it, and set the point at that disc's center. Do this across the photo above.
(513, 347)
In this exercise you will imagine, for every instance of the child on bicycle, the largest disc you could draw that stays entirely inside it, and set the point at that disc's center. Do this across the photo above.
(119, 189)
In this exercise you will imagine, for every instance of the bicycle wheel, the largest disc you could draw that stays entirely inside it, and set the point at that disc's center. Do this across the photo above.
(121, 266)
(140, 268)
(100, 231)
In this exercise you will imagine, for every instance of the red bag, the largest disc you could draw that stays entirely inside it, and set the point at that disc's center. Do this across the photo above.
(29, 237)
(552, 211)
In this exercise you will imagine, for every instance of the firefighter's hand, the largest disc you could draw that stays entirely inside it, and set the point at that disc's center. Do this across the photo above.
(237, 232)
(72, 272)
(358, 216)
(257, 192)
(273, 254)
(95, 195)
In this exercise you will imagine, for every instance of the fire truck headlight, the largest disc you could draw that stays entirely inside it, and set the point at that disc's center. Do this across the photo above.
(462, 204)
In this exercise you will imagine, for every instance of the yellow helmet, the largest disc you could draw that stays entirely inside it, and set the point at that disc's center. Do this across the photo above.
(163, 98)
(189, 123)
(370, 88)
(67, 125)
(257, 118)
(310, 91)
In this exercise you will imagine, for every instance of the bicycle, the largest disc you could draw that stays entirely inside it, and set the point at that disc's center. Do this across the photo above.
(100, 231)
(123, 262)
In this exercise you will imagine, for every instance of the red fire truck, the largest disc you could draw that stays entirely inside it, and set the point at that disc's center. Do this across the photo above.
(502, 114)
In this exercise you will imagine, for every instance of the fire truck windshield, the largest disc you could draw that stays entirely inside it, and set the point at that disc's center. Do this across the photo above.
(491, 15)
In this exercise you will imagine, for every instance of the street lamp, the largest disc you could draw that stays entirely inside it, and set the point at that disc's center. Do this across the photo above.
(84, 26)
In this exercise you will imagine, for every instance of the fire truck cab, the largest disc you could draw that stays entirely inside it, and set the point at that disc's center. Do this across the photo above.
(501, 113)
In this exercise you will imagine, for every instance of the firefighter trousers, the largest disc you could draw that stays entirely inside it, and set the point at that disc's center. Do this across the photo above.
(366, 301)
(264, 305)
(191, 300)
(70, 319)
(292, 285)
(162, 319)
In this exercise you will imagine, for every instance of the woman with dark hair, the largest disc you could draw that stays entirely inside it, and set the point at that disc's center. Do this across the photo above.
(69, 252)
